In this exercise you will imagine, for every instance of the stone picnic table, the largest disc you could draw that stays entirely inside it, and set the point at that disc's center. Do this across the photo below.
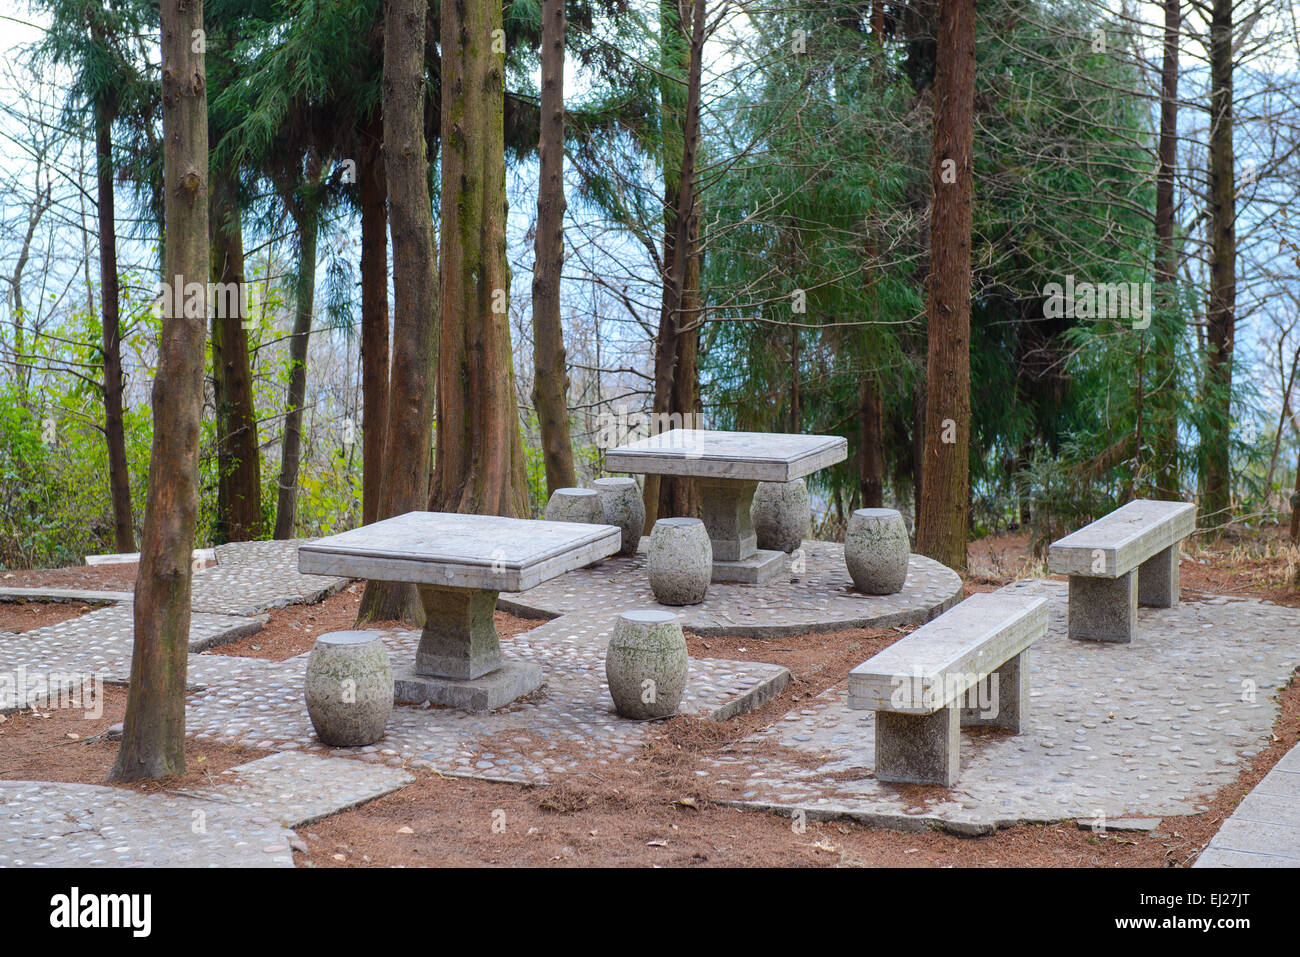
(727, 467)
(459, 564)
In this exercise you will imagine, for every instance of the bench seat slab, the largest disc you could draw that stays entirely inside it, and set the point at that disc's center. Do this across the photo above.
(918, 748)
(936, 664)
(1104, 609)
(1119, 542)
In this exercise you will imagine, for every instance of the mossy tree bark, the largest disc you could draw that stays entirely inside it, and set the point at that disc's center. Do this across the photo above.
(677, 374)
(404, 484)
(945, 493)
(303, 202)
(479, 464)
(374, 315)
(1220, 315)
(239, 467)
(1164, 439)
(550, 377)
(153, 738)
(119, 476)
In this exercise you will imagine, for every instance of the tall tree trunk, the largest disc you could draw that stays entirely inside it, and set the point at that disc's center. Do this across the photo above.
(239, 466)
(307, 226)
(1164, 396)
(943, 521)
(871, 462)
(1220, 316)
(479, 465)
(404, 486)
(550, 378)
(374, 317)
(153, 738)
(677, 344)
(119, 476)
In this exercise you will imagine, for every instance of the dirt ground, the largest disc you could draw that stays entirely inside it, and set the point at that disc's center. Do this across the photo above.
(653, 811)
(17, 617)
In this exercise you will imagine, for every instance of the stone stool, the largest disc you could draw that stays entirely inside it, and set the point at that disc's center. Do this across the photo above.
(580, 505)
(876, 550)
(645, 664)
(621, 498)
(781, 514)
(680, 563)
(349, 688)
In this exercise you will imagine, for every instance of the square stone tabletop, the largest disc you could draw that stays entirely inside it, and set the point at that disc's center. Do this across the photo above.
(738, 456)
(452, 550)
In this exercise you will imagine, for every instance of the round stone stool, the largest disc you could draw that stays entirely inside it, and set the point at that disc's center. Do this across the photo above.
(580, 505)
(645, 664)
(876, 550)
(781, 514)
(680, 563)
(349, 688)
(621, 498)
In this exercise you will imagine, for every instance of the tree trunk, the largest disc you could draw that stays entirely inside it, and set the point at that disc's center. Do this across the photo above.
(871, 463)
(943, 521)
(1220, 316)
(1164, 396)
(550, 378)
(677, 345)
(479, 464)
(404, 486)
(374, 317)
(119, 476)
(307, 225)
(153, 738)
(239, 466)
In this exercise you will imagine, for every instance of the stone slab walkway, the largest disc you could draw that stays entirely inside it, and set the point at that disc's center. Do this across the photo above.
(242, 819)
(1119, 730)
(84, 825)
(1264, 830)
(815, 594)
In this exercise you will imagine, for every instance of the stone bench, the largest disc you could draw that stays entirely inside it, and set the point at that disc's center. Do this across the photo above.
(1126, 559)
(968, 667)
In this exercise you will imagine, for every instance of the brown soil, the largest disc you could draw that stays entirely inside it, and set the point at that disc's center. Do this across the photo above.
(66, 744)
(85, 577)
(294, 629)
(17, 617)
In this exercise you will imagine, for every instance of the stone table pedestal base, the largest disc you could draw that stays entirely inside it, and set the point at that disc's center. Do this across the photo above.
(757, 569)
(458, 663)
(725, 509)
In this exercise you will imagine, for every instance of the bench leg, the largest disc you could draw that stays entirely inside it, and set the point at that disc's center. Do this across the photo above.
(1158, 579)
(1104, 609)
(918, 748)
(1002, 698)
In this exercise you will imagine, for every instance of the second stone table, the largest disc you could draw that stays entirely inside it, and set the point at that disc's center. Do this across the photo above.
(727, 467)
(459, 564)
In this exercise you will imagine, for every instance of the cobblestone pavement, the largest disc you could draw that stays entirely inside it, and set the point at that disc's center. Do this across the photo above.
(1264, 830)
(814, 594)
(260, 704)
(1125, 730)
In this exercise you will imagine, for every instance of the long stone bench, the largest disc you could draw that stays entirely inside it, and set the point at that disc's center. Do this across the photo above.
(968, 667)
(1125, 559)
